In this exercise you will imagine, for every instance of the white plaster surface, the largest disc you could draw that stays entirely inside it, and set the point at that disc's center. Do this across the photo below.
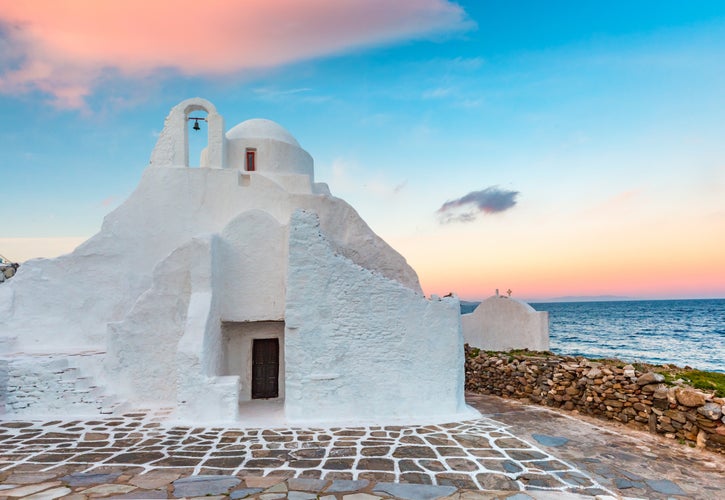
(501, 323)
(238, 339)
(361, 346)
(193, 252)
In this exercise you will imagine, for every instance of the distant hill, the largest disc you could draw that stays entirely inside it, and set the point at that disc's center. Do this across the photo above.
(468, 306)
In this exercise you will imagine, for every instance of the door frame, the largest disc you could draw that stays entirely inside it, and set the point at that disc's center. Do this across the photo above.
(273, 391)
(238, 339)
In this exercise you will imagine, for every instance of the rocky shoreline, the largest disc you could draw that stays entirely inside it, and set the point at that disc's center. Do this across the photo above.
(609, 390)
(7, 270)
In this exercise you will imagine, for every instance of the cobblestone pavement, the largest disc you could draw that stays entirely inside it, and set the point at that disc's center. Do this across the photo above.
(140, 456)
(629, 462)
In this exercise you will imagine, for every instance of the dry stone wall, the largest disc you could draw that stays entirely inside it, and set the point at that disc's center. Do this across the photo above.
(41, 386)
(601, 390)
(7, 271)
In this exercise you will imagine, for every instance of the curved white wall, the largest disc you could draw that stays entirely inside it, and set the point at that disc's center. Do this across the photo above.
(253, 264)
(100, 281)
(361, 347)
(194, 249)
(272, 156)
(502, 323)
(172, 146)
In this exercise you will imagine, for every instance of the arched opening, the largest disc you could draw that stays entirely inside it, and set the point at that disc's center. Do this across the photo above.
(205, 132)
(197, 133)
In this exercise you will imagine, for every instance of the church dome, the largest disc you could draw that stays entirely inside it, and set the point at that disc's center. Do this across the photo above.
(260, 128)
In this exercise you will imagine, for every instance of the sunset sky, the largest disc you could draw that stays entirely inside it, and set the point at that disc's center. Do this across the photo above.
(554, 148)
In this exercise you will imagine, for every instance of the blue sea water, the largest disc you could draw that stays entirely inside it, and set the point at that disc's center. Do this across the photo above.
(680, 332)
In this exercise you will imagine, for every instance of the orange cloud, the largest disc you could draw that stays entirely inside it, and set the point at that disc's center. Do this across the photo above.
(64, 48)
(22, 249)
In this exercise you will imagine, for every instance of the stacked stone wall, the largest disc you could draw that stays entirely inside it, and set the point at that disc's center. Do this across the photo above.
(42, 386)
(7, 270)
(603, 390)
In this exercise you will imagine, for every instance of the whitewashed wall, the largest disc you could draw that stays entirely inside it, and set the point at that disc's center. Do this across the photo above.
(238, 341)
(253, 267)
(194, 248)
(502, 323)
(362, 347)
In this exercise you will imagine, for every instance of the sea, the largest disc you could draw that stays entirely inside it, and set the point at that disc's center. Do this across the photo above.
(680, 332)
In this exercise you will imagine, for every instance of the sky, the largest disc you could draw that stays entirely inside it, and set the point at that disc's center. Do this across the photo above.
(558, 148)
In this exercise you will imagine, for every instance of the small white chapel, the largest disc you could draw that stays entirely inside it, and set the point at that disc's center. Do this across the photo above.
(241, 281)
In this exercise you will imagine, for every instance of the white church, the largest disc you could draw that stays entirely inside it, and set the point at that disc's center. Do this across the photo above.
(212, 289)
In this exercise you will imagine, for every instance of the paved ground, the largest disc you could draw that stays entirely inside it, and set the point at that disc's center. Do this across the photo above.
(535, 454)
(631, 463)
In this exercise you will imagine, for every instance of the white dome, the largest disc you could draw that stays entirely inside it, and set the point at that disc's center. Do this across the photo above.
(259, 128)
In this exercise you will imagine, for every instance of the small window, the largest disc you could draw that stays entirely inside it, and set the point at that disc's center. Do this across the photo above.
(250, 162)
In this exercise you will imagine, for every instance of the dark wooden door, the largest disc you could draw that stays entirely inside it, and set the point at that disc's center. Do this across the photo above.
(251, 167)
(265, 368)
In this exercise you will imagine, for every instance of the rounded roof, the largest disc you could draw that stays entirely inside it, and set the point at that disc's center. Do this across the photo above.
(259, 128)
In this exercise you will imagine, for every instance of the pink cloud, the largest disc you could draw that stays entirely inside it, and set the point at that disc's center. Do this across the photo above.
(64, 48)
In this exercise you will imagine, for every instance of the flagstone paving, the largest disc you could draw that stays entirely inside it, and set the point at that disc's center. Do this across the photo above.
(139, 455)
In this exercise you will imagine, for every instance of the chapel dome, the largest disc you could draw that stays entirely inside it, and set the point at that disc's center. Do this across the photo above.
(260, 128)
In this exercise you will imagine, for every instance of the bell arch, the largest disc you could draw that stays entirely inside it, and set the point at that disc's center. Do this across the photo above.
(172, 146)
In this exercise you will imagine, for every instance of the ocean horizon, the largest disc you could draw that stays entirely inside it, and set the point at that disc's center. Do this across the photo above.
(683, 332)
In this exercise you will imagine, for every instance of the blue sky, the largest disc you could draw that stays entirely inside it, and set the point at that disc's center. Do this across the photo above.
(605, 119)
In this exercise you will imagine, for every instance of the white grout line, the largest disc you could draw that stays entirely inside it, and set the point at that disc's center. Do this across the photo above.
(481, 429)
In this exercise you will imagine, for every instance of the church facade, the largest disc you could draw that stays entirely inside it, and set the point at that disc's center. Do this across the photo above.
(215, 287)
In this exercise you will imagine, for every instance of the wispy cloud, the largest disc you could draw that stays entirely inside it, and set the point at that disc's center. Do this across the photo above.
(107, 202)
(64, 49)
(621, 202)
(270, 93)
(466, 208)
(437, 93)
(349, 178)
(298, 94)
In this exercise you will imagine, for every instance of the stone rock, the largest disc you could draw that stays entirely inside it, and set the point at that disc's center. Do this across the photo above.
(701, 441)
(104, 490)
(414, 491)
(660, 392)
(135, 495)
(243, 493)
(49, 494)
(22, 491)
(677, 416)
(340, 485)
(361, 496)
(664, 486)
(306, 484)
(85, 478)
(154, 479)
(713, 411)
(301, 495)
(552, 441)
(650, 378)
(197, 486)
(623, 484)
(594, 373)
(496, 482)
(689, 397)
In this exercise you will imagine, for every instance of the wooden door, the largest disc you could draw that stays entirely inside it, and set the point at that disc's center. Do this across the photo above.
(251, 166)
(265, 368)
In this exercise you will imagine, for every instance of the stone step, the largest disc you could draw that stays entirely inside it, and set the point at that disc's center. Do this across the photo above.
(69, 374)
(111, 406)
(84, 383)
